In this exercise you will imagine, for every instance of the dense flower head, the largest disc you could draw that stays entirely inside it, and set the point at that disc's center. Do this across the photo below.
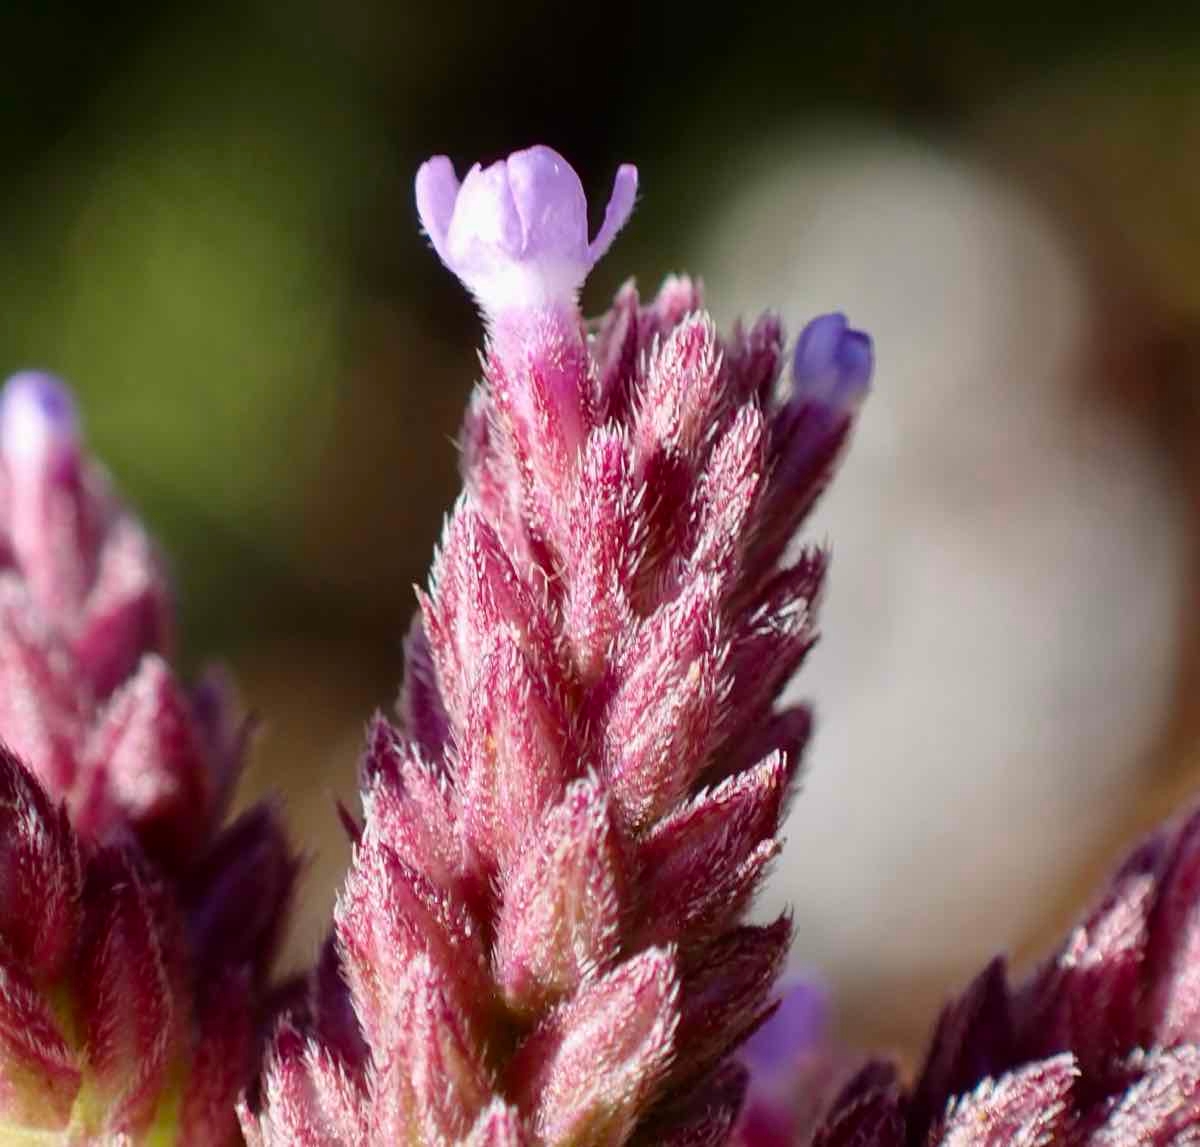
(541, 939)
(136, 934)
(1100, 1046)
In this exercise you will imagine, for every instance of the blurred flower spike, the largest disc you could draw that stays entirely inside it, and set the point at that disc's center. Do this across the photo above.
(137, 931)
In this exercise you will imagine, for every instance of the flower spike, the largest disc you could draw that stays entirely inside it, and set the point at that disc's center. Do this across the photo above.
(542, 937)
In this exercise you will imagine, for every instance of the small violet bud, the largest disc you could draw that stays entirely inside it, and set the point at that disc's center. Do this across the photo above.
(51, 528)
(38, 422)
(515, 233)
(832, 363)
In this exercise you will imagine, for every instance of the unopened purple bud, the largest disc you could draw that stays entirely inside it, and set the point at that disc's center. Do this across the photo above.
(796, 1072)
(516, 233)
(38, 420)
(832, 362)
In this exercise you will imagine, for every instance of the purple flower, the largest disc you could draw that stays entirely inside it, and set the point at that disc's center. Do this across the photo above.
(543, 933)
(516, 233)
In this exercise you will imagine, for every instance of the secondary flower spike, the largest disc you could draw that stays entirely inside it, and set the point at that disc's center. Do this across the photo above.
(88, 699)
(542, 941)
(1099, 1048)
(136, 934)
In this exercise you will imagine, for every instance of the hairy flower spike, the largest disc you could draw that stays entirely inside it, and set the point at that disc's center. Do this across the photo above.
(542, 934)
(1100, 1047)
(135, 936)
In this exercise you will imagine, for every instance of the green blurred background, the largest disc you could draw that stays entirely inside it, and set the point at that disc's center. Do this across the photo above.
(207, 227)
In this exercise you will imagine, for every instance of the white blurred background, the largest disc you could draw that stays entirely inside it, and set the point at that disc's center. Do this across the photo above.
(1002, 632)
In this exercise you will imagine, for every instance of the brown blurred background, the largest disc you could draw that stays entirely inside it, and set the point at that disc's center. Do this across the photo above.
(206, 225)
